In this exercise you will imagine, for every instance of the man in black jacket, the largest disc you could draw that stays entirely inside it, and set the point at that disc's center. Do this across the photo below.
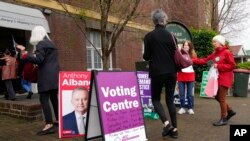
(159, 49)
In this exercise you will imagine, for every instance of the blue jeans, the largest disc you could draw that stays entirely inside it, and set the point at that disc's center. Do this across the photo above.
(186, 87)
(26, 85)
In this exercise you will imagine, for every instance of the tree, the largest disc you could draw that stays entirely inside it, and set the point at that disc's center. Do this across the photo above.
(126, 10)
(226, 15)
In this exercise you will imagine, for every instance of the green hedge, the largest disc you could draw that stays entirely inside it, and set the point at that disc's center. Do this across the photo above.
(244, 65)
(202, 40)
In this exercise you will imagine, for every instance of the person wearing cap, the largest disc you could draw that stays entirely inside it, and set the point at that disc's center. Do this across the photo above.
(222, 59)
(159, 49)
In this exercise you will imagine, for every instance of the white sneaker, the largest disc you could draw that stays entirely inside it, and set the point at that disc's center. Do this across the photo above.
(182, 111)
(191, 111)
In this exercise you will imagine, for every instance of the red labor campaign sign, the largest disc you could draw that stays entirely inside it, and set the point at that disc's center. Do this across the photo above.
(73, 102)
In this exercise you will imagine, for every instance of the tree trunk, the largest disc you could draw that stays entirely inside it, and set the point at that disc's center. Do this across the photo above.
(105, 60)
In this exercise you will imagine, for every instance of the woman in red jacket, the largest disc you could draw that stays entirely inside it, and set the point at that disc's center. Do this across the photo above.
(186, 78)
(223, 60)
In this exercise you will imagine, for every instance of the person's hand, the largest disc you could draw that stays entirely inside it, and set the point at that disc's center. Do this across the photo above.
(215, 65)
(7, 59)
(210, 63)
(21, 47)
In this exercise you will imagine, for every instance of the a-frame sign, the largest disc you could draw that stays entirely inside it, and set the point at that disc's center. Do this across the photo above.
(115, 112)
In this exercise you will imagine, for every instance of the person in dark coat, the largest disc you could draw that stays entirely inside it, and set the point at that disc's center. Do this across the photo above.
(159, 50)
(45, 55)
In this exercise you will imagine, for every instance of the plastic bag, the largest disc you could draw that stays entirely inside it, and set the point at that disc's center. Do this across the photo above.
(212, 84)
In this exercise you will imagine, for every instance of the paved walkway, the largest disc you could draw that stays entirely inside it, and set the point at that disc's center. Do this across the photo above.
(197, 127)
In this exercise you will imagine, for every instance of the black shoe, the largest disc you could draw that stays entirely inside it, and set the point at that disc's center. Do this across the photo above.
(167, 130)
(55, 124)
(13, 99)
(29, 95)
(174, 134)
(222, 121)
(230, 114)
(6, 96)
(50, 130)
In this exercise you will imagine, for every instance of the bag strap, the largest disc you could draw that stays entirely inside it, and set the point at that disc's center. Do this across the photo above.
(174, 40)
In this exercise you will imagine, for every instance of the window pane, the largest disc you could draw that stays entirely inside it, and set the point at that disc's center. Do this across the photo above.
(89, 64)
(97, 60)
(93, 59)
(96, 39)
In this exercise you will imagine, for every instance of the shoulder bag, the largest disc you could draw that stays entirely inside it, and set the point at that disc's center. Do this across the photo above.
(181, 57)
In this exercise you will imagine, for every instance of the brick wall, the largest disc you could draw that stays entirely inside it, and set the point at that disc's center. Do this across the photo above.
(69, 41)
(21, 109)
(129, 50)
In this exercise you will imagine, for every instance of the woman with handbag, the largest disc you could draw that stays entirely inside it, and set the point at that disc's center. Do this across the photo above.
(223, 60)
(45, 57)
(186, 79)
(159, 50)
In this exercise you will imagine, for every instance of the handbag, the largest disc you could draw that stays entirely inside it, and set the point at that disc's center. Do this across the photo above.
(30, 72)
(181, 57)
(212, 83)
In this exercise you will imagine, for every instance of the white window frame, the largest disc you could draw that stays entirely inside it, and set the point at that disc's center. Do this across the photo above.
(91, 38)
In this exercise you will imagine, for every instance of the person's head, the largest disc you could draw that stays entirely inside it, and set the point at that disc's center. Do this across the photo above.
(37, 34)
(7, 51)
(79, 100)
(218, 41)
(159, 17)
(189, 47)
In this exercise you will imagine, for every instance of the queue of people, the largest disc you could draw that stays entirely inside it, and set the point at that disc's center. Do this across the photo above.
(45, 56)
(12, 68)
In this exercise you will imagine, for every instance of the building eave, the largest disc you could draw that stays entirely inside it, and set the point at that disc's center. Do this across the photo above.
(51, 4)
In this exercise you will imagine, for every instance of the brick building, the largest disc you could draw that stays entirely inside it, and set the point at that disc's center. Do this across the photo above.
(72, 43)
(18, 17)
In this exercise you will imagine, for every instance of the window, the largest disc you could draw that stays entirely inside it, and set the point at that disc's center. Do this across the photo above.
(93, 59)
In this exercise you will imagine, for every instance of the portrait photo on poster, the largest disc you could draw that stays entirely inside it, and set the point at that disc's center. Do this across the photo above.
(74, 111)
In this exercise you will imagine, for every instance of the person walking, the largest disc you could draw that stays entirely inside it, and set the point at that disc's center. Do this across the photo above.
(186, 79)
(159, 49)
(223, 60)
(45, 57)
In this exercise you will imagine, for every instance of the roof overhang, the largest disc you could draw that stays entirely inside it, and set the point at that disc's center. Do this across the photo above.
(19, 17)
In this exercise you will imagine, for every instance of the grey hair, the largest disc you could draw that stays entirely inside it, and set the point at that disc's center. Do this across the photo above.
(159, 17)
(37, 35)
